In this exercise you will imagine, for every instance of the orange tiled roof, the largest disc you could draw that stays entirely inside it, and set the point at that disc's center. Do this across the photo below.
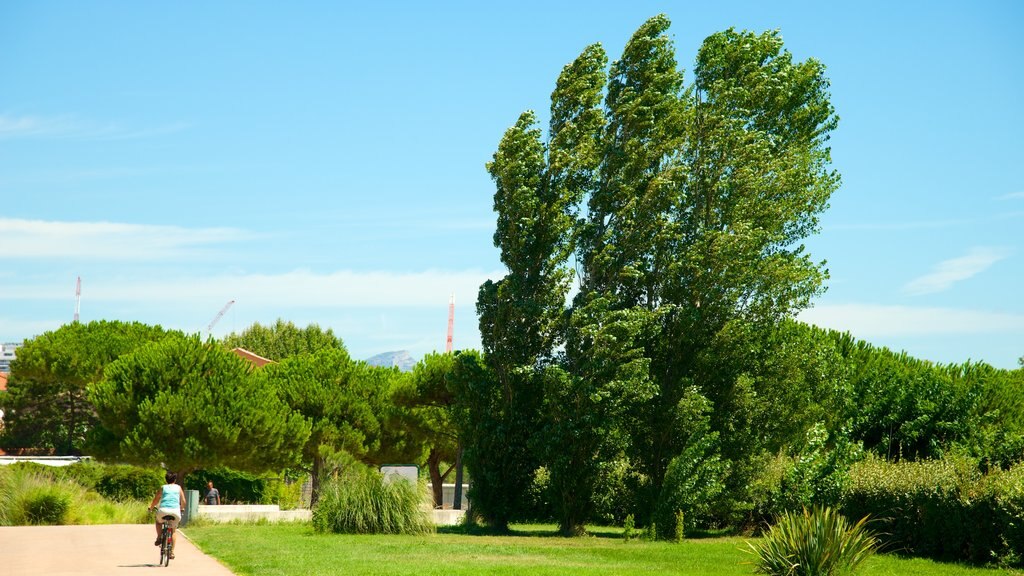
(255, 359)
(3, 381)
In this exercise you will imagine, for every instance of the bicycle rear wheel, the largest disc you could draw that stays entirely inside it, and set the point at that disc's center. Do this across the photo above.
(165, 546)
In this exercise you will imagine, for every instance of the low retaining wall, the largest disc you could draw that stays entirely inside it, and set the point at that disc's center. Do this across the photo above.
(251, 513)
(273, 513)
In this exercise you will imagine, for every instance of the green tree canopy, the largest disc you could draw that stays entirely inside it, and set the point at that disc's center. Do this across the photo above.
(685, 207)
(346, 404)
(186, 405)
(45, 407)
(283, 340)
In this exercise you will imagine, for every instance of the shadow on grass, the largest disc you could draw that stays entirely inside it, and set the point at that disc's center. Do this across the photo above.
(551, 531)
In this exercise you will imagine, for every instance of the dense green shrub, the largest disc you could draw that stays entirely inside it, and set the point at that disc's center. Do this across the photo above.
(693, 485)
(86, 473)
(817, 542)
(235, 487)
(286, 491)
(27, 497)
(47, 505)
(615, 491)
(122, 482)
(944, 509)
(361, 502)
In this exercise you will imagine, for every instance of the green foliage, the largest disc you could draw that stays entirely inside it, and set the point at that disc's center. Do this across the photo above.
(680, 527)
(693, 483)
(285, 491)
(943, 509)
(686, 207)
(45, 407)
(615, 491)
(497, 419)
(59, 495)
(124, 482)
(426, 404)
(818, 542)
(235, 487)
(347, 406)
(28, 497)
(283, 340)
(629, 528)
(904, 408)
(189, 405)
(47, 505)
(360, 501)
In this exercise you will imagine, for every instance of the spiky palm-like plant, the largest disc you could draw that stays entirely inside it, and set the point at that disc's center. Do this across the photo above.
(818, 542)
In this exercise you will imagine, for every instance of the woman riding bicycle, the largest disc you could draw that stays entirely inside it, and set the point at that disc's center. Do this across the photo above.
(171, 501)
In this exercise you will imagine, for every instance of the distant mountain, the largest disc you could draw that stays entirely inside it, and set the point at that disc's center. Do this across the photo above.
(399, 358)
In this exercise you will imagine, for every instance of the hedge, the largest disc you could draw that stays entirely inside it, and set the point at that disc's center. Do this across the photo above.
(943, 509)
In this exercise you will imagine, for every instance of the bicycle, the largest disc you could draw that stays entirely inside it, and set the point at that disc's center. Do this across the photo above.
(166, 544)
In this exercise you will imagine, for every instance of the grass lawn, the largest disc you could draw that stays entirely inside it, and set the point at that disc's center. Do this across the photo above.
(295, 550)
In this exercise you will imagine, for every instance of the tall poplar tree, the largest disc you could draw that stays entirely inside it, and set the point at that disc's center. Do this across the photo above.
(688, 206)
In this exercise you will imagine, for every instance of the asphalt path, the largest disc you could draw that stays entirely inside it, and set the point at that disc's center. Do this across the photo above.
(118, 550)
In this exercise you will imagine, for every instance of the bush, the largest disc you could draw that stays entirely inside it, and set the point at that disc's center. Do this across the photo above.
(235, 487)
(286, 492)
(819, 542)
(944, 509)
(27, 497)
(86, 473)
(47, 505)
(361, 502)
(121, 483)
(693, 486)
(615, 491)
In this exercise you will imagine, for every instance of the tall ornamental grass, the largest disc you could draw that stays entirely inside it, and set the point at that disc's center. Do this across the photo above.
(28, 497)
(362, 502)
(818, 542)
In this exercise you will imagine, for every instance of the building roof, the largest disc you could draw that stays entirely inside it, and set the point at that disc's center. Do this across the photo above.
(254, 359)
(3, 381)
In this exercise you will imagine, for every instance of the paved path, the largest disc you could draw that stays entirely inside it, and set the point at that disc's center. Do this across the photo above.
(118, 550)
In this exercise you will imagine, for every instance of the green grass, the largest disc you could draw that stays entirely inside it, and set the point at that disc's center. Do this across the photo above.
(296, 550)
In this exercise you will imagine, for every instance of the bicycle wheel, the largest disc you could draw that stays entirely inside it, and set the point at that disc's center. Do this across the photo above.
(163, 550)
(165, 547)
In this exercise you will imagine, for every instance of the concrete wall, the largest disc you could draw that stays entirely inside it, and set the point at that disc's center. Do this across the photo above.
(448, 495)
(251, 513)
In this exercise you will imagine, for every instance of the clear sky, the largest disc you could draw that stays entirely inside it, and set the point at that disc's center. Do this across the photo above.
(324, 162)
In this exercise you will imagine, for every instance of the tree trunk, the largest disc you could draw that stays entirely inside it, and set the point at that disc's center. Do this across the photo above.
(457, 504)
(314, 492)
(436, 481)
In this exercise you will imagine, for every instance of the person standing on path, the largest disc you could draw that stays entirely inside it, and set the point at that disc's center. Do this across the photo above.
(212, 495)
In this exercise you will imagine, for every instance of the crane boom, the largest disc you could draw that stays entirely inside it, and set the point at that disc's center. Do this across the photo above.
(219, 315)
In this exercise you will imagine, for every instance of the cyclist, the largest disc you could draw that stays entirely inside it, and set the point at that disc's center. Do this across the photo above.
(169, 501)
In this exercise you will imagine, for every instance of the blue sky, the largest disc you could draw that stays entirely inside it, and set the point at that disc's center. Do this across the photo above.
(324, 162)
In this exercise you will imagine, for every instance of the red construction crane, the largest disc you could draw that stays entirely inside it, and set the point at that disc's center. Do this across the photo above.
(78, 297)
(451, 323)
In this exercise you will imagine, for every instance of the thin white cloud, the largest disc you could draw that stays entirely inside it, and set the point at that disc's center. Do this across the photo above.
(22, 239)
(1011, 196)
(948, 272)
(72, 128)
(290, 290)
(867, 321)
